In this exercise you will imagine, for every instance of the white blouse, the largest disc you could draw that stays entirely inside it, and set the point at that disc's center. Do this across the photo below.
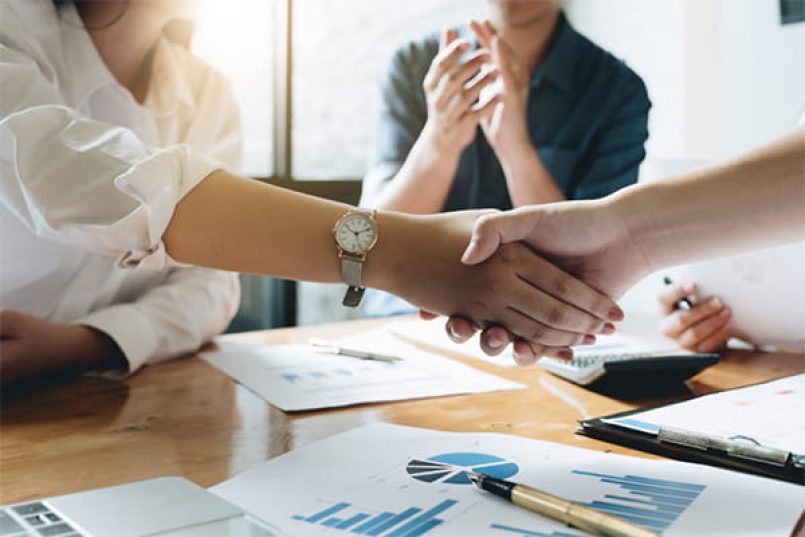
(89, 179)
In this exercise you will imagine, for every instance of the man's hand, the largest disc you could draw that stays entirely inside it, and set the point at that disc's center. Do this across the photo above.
(586, 239)
(704, 328)
(452, 89)
(505, 127)
(514, 288)
(30, 346)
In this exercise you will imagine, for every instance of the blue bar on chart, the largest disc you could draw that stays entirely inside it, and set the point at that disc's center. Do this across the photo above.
(384, 524)
(321, 514)
(652, 503)
(531, 533)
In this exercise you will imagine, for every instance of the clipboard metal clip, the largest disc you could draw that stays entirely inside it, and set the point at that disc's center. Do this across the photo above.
(742, 447)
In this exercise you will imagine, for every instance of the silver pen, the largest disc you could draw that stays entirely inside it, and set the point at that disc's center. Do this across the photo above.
(325, 346)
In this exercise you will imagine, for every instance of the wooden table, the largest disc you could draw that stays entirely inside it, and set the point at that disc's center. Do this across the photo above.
(185, 418)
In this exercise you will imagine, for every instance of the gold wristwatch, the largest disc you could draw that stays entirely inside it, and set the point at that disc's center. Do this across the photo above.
(355, 234)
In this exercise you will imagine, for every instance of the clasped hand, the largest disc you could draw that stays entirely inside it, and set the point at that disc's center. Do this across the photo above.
(539, 304)
(543, 307)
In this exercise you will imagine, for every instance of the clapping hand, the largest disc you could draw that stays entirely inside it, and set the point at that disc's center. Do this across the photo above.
(452, 89)
(505, 127)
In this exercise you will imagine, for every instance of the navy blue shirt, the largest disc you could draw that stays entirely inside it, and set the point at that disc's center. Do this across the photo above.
(587, 118)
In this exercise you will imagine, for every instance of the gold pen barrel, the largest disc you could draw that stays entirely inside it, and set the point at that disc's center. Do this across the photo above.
(542, 503)
(594, 521)
(578, 516)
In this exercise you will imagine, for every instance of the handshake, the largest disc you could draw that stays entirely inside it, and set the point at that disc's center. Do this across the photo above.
(542, 278)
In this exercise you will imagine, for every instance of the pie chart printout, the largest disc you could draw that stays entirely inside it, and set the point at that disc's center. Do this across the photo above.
(451, 468)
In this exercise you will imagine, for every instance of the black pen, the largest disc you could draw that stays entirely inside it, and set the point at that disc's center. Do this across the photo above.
(579, 516)
(683, 303)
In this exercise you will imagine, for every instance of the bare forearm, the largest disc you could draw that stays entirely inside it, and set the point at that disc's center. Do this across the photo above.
(422, 184)
(239, 224)
(528, 180)
(754, 201)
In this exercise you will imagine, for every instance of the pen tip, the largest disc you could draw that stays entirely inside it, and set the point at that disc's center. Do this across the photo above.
(475, 478)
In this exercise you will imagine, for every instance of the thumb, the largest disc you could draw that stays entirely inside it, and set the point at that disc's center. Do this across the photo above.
(492, 230)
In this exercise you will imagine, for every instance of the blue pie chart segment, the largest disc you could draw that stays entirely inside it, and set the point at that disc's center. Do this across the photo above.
(450, 467)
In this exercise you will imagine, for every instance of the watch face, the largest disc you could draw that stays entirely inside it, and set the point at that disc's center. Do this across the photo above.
(356, 233)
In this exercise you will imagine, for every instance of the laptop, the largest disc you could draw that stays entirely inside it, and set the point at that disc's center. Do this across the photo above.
(163, 507)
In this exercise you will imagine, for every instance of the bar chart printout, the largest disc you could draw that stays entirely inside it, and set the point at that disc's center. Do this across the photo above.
(652, 503)
(376, 480)
(387, 524)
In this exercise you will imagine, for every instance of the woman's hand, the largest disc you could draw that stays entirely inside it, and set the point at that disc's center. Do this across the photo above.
(514, 288)
(586, 239)
(704, 328)
(30, 346)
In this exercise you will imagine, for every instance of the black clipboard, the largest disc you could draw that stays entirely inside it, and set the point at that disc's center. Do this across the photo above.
(643, 441)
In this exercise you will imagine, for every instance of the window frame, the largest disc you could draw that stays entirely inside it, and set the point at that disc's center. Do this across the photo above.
(345, 190)
(284, 292)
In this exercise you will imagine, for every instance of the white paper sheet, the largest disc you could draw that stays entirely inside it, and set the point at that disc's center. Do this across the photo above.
(411, 480)
(432, 333)
(296, 377)
(638, 339)
(764, 289)
(772, 413)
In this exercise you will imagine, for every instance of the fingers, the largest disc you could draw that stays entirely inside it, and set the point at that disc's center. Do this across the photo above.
(501, 60)
(444, 61)
(427, 315)
(482, 112)
(715, 341)
(670, 294)
(459, 329)
(489, 30)
(461, 106)
(448, 36)
(556, 298)
(703, 333)
(678, 321)
(705, 328)
(481, 34)
(527, 327)
(494, 340)
(459, 83)
(527, 353)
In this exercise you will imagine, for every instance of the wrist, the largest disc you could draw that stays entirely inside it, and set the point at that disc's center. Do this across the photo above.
(384, 264)
(625, 212)
(432, 143)
(515, 149)
(93, 349)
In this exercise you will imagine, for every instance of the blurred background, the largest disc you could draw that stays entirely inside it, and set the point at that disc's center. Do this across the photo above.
(723, 76)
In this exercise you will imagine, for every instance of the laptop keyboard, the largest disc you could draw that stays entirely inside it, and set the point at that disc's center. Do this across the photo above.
(35, 519)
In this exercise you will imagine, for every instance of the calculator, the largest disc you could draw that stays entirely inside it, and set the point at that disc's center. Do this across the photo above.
(635, 374)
